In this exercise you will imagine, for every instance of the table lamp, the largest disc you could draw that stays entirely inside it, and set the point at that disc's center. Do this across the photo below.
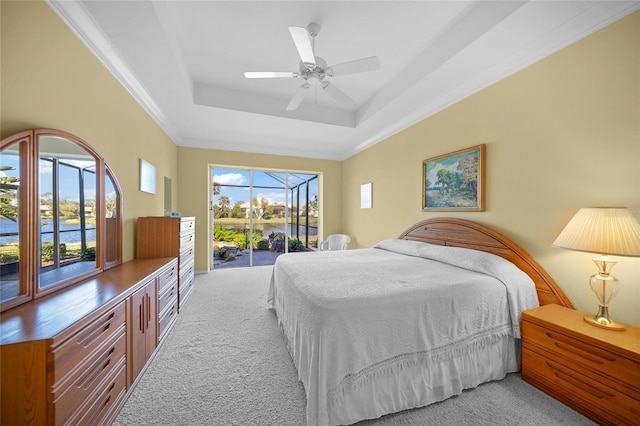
(606, 231)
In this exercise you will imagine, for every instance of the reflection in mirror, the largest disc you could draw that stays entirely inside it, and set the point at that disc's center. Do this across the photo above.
(9, 229)
(67, 223)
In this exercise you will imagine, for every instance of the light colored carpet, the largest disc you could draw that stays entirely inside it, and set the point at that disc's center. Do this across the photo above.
(225, 364)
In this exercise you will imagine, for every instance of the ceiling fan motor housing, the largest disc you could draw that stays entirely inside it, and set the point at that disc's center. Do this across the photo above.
(315, 74)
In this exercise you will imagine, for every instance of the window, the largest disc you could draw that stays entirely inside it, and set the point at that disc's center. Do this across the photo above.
(258, 214)
(59, 214)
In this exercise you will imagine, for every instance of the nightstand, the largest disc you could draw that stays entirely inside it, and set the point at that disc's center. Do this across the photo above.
(592, 370)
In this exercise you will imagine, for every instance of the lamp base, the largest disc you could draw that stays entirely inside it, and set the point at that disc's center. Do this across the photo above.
(603, 322)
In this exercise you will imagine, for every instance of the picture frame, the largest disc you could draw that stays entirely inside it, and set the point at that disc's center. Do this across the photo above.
(147, 177)
(454, 181)
(365, 196)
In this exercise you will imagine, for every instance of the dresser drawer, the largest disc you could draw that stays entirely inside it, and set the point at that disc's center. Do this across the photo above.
(589, 356)
(167, 318)
(168, 295)
(93, 373)
(187, 226)
(70, 354)
(168, 277)
(589, 394)
(99, 408)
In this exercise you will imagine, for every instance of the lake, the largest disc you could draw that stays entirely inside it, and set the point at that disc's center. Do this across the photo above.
(69, 233)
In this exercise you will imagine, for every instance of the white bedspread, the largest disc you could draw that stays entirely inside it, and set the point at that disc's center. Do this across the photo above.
(356, 320)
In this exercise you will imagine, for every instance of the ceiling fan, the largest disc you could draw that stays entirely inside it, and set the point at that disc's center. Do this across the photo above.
(314, 69)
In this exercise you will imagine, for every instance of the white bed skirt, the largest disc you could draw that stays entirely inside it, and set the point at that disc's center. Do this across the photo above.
(417, 386)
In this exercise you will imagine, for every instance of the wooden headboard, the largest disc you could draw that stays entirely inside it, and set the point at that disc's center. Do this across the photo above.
(464, 233)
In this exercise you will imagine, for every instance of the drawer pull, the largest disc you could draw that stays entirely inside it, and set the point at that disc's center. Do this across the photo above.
(100, 328)
(97, 413)
(580, 384)
(92, 374)
(577, 348)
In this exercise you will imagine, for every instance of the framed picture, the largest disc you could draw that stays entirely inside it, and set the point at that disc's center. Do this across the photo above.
(365, 196)
(147, 177)
(455, 181)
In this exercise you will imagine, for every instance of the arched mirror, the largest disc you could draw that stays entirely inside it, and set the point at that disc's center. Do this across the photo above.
(60, 213)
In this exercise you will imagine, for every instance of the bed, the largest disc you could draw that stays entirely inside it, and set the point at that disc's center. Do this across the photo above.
(407, 322)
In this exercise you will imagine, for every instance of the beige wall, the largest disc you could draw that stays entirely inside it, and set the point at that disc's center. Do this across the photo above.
(195, 194)
(562, 134)
(51, 80)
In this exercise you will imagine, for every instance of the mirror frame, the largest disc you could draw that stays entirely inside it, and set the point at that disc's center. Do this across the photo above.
(29, 216)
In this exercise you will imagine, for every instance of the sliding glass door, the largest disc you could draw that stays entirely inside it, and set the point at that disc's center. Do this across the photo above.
(257, 215)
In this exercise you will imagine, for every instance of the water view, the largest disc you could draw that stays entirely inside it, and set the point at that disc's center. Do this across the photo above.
(69, 232)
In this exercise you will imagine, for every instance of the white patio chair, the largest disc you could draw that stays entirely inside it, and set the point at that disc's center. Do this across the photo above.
(335, 242)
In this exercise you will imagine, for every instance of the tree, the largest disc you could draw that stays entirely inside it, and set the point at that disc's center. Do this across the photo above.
(446, 180)
(468, 167)
(259, 207)
(223, 210)
(9, 194)
(216, 188)
(313, 204)
(236, 211)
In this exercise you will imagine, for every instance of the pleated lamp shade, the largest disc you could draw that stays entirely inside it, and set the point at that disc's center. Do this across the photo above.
(602, 230)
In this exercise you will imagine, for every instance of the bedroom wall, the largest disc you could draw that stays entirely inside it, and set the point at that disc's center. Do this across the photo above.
(194, 192)
(562, 134)
(51, 80)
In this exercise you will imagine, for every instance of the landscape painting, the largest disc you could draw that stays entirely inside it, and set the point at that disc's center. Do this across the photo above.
(454, 181)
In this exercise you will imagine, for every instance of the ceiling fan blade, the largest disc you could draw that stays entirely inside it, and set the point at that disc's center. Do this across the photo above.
(270, 74)
(297, 98)
(338, 94)
(371, 63)
(303, 44)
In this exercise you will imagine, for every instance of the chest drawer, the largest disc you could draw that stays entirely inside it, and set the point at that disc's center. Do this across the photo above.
(589, 394)
(96, 370)
(187, 240)
(186, 255)
(186, 270)
(187, 226)
(584, 354)
(72, 353)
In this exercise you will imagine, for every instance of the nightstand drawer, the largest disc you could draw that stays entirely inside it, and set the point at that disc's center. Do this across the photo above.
(593, 358)
(590, 395)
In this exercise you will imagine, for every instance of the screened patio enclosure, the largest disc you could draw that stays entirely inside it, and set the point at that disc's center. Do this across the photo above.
(258, 215)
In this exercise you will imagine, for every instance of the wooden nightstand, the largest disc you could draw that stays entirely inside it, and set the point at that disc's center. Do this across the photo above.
(592, 370)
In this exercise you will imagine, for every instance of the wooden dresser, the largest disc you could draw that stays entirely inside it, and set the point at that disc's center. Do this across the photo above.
(159, 236)
(74, 356)
(592, 370)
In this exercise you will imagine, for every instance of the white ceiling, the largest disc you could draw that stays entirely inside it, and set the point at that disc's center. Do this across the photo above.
(184, 61)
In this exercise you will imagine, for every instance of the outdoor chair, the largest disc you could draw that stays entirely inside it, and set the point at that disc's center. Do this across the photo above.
(335, 242)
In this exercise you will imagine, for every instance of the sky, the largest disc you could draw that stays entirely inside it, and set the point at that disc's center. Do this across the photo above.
(274, 192)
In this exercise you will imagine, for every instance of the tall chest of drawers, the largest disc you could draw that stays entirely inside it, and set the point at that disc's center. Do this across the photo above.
(159, 236)
(592, 370)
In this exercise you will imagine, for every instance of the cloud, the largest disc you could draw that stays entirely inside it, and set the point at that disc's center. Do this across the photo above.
(273, 197)
(433, 171)
(229, 179)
